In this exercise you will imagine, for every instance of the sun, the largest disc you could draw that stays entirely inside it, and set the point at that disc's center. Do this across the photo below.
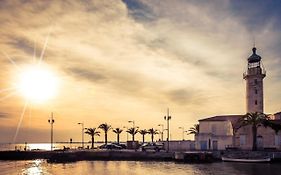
(37, 83)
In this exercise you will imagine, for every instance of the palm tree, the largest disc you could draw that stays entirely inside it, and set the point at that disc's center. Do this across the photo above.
(143, 132)
(105, 127)
(152, 132)
(255, 119)
(92, 132)
(193, 130)
(133, 131)
(118, 131)
(275, 126)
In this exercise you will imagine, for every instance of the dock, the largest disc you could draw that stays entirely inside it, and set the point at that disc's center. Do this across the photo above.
(134, 155)
(78, 155)
(194, 157)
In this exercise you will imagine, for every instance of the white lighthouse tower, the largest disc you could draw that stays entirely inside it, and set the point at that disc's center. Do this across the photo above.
(254, 76)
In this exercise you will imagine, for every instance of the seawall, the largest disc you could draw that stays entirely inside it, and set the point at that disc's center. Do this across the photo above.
(77, 155)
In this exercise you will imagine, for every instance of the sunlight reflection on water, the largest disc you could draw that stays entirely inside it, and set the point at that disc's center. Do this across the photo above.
(38, 167)
(34, 168)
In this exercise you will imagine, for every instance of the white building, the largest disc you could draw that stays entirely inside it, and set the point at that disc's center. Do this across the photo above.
(219, 132)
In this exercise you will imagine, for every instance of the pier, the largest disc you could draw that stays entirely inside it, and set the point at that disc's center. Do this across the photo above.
(78, 155)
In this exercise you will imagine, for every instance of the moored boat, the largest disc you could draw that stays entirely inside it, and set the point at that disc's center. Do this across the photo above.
(246, 160)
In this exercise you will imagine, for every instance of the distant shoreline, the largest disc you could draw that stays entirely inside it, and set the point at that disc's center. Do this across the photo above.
(60, 142)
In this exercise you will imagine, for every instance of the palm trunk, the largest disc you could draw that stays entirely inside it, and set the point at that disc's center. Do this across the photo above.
(93, 140)
(143, 138)
(105, 137)
(118, 138)
(152, 138)
(233, 138)
(133, 137)
(254, 131)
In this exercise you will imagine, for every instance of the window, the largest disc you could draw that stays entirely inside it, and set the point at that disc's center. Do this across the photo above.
(277, 140)
(256, 102)
(203, 145)
(242, 139)
(256, 81)
(256, 91)
(214, 129)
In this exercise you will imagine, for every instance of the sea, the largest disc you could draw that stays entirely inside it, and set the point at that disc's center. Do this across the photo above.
(38, 167)
(42, 167)
(43, 146)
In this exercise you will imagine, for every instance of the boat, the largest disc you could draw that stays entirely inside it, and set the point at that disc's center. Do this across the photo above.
(246, 160)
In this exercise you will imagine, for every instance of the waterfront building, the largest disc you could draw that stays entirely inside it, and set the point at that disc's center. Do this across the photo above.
(220, 132)
(216, 133)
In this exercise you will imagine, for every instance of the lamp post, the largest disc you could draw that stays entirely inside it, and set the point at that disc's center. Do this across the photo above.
(168, 118)
(82, 125)
(51, 121)
(125, 127)
(162, 131)
(182, 128)
(132, 121)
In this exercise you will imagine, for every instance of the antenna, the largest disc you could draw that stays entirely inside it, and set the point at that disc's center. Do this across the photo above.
(254, 41)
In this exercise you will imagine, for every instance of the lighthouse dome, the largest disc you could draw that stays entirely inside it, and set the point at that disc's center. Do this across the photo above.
(254, 57)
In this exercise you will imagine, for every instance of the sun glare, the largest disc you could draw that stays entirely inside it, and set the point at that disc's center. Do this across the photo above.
(37, 84)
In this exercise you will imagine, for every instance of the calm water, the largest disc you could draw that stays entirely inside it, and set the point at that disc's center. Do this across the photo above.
(42, 146)
(38, 167)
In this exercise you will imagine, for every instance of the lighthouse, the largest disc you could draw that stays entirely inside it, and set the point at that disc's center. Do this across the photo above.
(254, 76)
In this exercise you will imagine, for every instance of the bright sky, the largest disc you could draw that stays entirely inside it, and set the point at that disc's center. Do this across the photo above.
(129, 60)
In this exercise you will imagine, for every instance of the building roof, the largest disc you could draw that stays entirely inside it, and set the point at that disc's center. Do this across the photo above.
(278, 121)
(222, 118)
(232, 118)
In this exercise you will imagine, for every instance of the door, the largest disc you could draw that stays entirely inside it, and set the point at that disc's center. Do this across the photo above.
(203, 145)
(277, 142)
(259, 142)
(215, 145)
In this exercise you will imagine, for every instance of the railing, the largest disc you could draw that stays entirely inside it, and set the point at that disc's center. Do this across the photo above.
(254, 71)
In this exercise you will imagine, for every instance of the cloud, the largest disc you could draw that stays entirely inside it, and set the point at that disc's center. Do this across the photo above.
(187, 96)
(136, 57)
(23, 44)
(4, 115)
(89, 75)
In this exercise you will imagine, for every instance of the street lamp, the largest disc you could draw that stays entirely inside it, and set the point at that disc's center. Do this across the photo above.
(125, 127)
(132, 121)
(52, 121)
(82, 125)
(162, 131)
(168, 118)
(182, 132)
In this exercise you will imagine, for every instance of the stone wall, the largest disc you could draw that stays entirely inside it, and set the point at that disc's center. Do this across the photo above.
(180, 145)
